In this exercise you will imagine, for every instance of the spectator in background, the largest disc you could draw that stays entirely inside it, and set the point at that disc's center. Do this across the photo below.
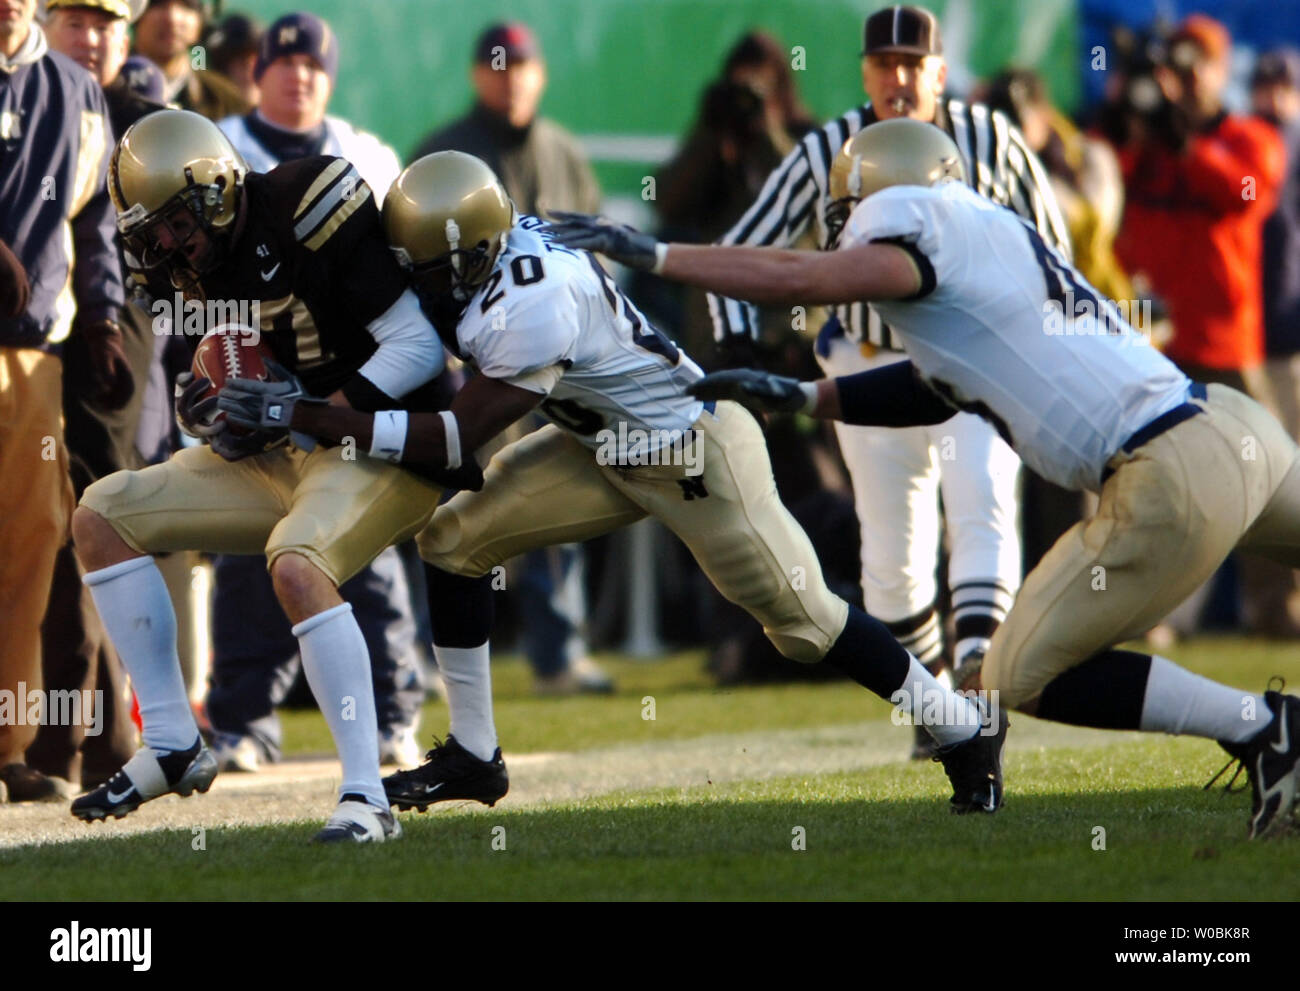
(255, 657)
(748, 121)
(542, 168)
(1275, 98)
(1200, 183)
(144, 79)
(167, 34)
(539, 162)
(232, 52)
(296, 69)
(54, 134)
(78, 655)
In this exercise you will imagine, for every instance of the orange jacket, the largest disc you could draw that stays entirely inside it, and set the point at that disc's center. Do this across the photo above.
(1194, 223)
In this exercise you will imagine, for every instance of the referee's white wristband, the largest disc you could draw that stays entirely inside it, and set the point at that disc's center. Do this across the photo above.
(388, 435)
(452, 429)
(661, 255)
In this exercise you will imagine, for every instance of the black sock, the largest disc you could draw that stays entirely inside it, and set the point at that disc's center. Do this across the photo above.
(867, 653)
(1106, 691)
(460, 608)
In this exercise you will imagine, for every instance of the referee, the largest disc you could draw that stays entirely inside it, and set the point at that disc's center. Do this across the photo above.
(899, 474)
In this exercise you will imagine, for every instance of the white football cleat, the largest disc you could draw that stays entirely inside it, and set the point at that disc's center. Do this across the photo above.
(357, 821)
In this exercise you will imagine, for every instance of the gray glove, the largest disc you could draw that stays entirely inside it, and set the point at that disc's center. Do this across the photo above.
(754, 388)
(194, 414)
(597, 234)
(261, 405)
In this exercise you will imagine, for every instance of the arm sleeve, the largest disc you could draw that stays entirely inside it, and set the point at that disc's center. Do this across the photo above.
(892, 396)
(779, 216)
(97, 270)
(409, 353)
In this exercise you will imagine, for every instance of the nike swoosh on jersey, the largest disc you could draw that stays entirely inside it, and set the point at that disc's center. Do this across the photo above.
(268, 276)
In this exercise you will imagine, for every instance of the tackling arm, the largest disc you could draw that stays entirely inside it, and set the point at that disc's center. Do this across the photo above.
(482, 409)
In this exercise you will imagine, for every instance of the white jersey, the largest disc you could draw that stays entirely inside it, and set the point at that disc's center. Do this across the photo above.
(551, 320)
(1007, 328)
(376, 161)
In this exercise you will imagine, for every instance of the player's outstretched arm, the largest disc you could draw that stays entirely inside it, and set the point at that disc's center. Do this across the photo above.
(769, 276)
(893, 396)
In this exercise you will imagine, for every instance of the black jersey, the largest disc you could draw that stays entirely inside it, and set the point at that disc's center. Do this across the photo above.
(313, 257)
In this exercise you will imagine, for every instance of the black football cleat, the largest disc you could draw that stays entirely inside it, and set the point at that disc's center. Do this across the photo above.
(1271, 759)
(148, 775)
(449, 773)
(974, 766)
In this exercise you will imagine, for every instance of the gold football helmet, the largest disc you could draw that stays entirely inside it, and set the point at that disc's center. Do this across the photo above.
(898, 152)
(173, 176)
(447, 217)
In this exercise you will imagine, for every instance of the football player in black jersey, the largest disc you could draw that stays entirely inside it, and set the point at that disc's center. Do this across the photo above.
(304, 245)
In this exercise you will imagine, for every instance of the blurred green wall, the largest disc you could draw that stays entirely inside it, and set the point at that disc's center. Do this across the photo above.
(635, 68)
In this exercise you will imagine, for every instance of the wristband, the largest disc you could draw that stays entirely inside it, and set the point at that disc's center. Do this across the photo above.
(452, 430)
(661, 256)
(388, 435)
(809, 389)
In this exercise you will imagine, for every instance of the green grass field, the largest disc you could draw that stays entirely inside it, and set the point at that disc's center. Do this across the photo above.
(880, 832)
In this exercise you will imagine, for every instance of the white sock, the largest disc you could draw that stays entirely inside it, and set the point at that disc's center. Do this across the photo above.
(1178, 701)
(337, 665)
(967, 644)
(137, 612)
(468, 678)
(950, 718)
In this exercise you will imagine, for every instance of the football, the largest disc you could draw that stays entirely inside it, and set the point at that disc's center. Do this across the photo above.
(231, 351)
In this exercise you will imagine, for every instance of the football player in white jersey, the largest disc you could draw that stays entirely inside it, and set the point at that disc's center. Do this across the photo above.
(545, 327)
(997, 323)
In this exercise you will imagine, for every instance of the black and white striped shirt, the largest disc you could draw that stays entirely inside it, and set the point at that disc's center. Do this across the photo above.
(998, 162)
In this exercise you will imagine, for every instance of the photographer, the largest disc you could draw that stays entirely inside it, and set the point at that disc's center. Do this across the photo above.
(1200, 183)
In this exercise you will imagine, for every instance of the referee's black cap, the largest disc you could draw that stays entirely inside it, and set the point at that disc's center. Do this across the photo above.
(913, 30)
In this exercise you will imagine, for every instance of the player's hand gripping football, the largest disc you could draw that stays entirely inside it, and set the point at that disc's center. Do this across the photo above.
(264, 405)
(196, 415)
(751, 387)
(623, 244)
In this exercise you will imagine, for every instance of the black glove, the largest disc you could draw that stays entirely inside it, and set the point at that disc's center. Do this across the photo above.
(236, 444)
(597, 234)
(194, 414)
(261, 405)
(112, 383)
(758, 390)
